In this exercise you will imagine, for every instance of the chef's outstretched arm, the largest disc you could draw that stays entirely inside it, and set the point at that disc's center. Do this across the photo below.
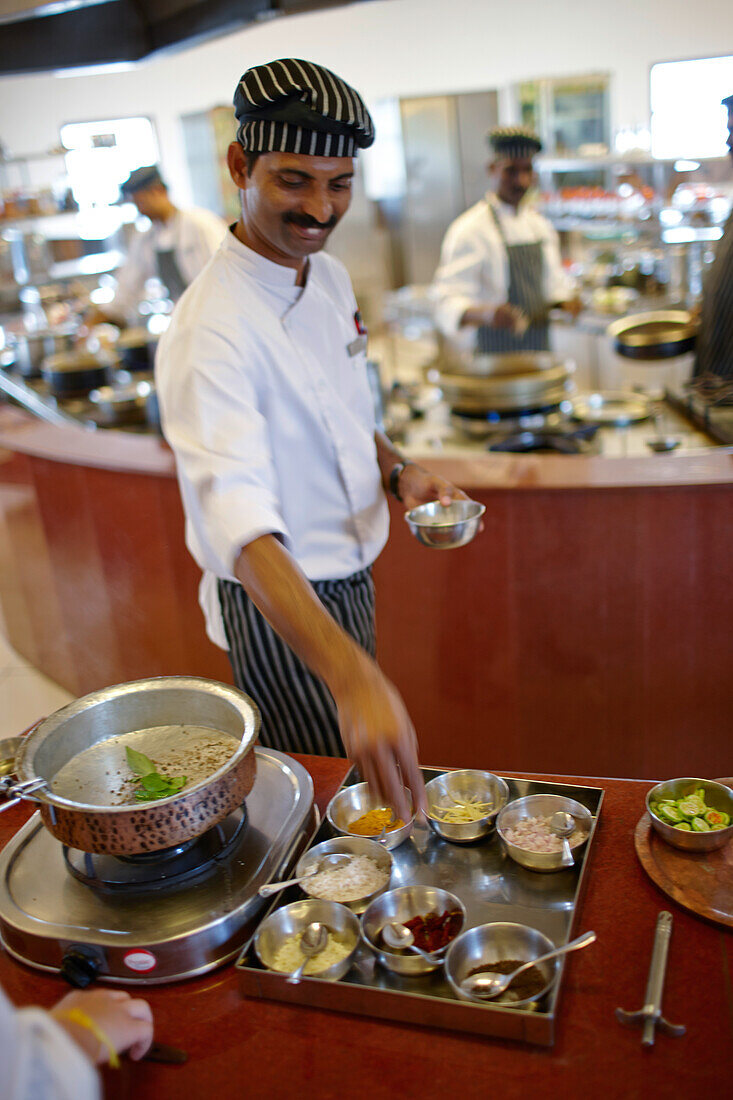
(373, 720)
(410, 483)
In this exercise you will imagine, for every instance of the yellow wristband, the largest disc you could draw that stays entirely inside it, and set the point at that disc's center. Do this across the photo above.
(76, 1016)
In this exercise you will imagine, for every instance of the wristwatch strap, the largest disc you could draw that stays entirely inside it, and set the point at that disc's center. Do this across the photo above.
(394, 479)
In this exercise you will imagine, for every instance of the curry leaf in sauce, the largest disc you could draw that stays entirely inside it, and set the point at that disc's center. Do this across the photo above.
(153, 785)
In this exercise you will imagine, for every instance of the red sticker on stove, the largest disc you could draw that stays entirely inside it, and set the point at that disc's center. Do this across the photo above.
(140, 960)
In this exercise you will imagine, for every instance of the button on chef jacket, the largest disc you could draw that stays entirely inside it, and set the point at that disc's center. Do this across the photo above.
(266, 403)
(193, 237)
(474, 268)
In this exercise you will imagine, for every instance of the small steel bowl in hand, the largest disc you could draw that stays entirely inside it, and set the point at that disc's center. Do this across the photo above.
(353, 802)
(491, 943)
(398, 906)
(288, 921)
(445, 527)
(717, 797)
(350, 845)
(468, 785)
(542, 805)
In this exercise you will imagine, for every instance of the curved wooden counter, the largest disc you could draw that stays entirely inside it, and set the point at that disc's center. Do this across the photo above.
(239, 1047)
(587, 630)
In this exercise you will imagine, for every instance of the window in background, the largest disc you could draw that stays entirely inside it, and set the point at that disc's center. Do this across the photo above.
(571, 115)
(102, 154)
(688, 119)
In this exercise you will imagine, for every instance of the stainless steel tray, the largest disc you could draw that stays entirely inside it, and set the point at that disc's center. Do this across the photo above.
(492, 888)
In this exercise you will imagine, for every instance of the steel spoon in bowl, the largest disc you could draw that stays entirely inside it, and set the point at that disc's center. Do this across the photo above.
(487, 986)
(312, 942)
(398, 937)
(325, 863)
(562, 825)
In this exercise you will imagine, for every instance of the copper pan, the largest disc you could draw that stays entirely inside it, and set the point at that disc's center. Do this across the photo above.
(90, 815)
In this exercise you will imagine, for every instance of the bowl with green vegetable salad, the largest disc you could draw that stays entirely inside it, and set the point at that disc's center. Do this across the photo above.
(695, 815)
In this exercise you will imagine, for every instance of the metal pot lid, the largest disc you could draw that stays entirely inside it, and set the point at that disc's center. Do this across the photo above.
(64, 361)
(647, 330)
(522, 386)
(614, 408)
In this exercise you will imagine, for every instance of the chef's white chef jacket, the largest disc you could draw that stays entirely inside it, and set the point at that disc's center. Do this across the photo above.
(265, 400)
(39, 1060)
(474, 268)
(193, 237)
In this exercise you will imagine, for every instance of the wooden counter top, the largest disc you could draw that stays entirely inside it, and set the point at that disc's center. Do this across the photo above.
(246, 1048)
(149, 454)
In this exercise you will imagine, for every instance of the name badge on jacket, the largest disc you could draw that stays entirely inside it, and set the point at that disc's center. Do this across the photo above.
(360, 343)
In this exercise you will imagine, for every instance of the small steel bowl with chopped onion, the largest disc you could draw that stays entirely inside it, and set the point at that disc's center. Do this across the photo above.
(469, 786)
(492, 943)
(717, 797)
(351, 803)
(542, 805)
(398, 906)
(354, 846)
(288, 921)
(445, 527)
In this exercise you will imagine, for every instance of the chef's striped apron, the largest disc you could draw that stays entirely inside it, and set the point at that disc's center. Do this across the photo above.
(526, 290)
(297, 709)
(715, 342)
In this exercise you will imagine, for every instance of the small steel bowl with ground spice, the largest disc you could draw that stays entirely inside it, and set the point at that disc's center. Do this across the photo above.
(442, 912)
(498, 949)
(356, 810)
(355, 886)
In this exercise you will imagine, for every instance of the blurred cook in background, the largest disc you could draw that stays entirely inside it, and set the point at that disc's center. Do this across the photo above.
(500, 269)
(715, 341)
(176, 246)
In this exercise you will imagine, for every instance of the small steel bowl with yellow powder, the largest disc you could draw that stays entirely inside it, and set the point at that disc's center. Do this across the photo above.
(357, 811)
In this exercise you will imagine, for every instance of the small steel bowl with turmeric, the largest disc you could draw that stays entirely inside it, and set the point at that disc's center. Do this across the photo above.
(357, 811)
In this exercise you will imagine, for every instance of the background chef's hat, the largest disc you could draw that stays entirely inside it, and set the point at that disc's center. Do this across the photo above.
(140, 179)
(514, 141)
(292, 106)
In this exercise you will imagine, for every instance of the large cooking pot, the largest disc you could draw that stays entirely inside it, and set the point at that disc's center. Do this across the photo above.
(659, 334)
(510, 387)
(75, 373)
(81, 748)
(32, 348)
(136, 349)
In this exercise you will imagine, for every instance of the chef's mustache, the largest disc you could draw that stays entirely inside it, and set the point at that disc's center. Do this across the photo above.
(305, 221)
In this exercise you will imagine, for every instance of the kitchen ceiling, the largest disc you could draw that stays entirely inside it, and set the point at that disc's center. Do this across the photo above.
(43, 37)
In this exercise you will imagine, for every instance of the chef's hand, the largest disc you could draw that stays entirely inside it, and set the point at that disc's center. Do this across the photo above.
(509, 317)
(378, 735)
(419, 486)
(126, 1023)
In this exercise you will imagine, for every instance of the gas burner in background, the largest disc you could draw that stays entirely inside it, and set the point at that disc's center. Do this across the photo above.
(568, 441)
(481, 425)
(167, 869)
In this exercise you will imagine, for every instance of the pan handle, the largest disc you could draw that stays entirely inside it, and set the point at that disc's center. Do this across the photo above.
(18, 792)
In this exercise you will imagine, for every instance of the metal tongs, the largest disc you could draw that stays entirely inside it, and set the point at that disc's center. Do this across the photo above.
(650, 1016)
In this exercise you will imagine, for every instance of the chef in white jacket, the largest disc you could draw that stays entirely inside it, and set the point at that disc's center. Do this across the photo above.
(174, 248)
(265, 400)
(500, 266)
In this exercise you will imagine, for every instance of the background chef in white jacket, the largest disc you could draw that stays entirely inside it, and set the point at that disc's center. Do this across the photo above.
(500, 268)
(175, 248)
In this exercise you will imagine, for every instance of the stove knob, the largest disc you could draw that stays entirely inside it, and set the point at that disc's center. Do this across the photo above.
(79, 968)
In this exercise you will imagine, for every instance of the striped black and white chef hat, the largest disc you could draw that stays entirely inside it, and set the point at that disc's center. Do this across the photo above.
(728, 102)
(292, 106)
(514, 141)
(140, 179)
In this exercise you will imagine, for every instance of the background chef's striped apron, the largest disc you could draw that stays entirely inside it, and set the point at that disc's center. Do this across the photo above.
(715, 342)
(298, 711)
(526, 290)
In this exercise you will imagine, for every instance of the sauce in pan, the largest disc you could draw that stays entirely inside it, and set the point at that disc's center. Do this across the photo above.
(100, 775)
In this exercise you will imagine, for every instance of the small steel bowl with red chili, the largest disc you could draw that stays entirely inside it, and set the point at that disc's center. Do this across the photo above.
(435, 917)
